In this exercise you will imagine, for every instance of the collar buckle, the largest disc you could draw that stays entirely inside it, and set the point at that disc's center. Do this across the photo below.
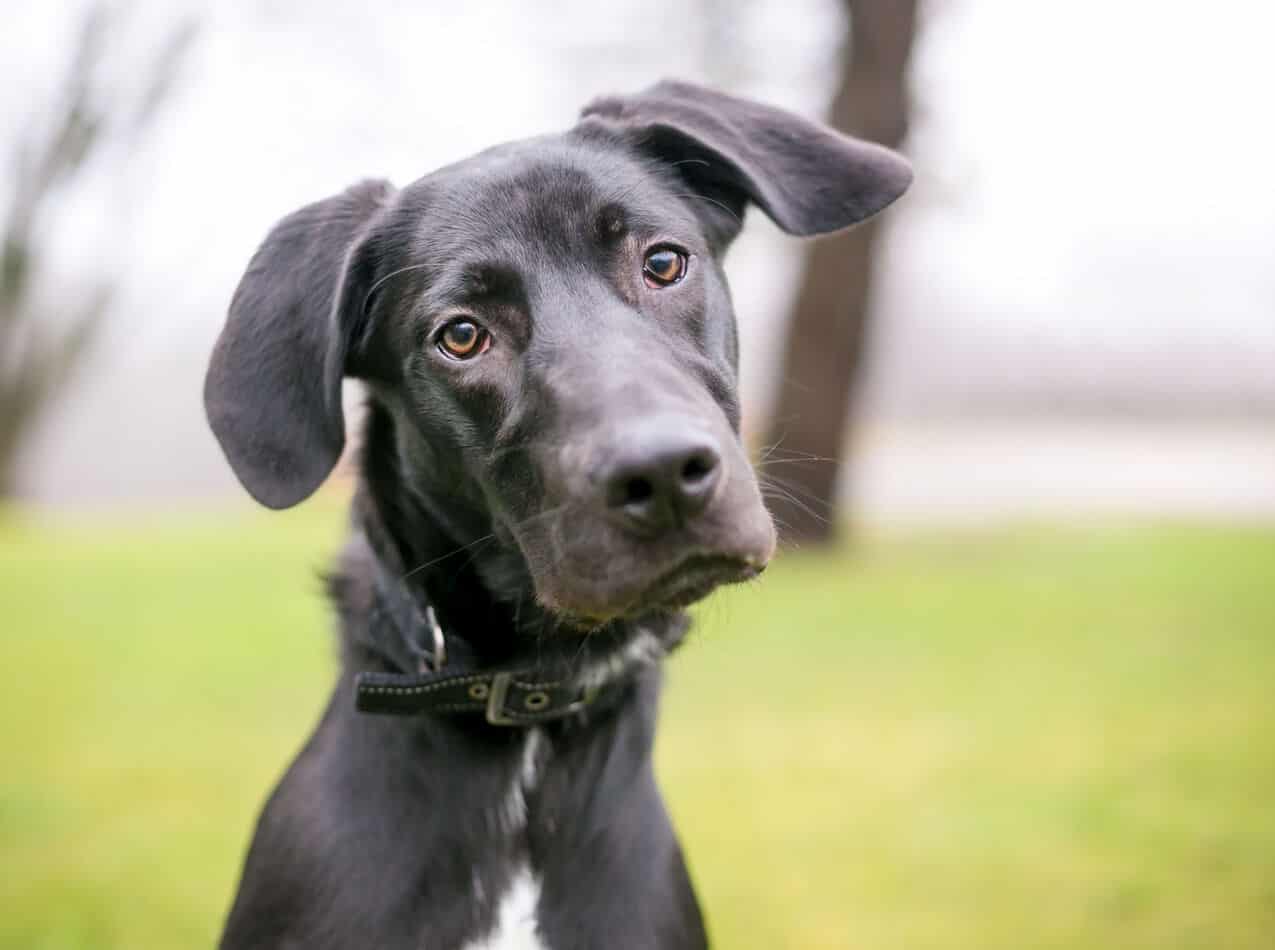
(496, 700)
(497, 716)
(587, 695)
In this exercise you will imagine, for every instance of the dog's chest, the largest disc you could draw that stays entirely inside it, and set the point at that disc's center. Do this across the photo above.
(515, 926)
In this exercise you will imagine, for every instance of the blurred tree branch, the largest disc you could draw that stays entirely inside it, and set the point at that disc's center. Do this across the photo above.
(828, 330)
(41, 347)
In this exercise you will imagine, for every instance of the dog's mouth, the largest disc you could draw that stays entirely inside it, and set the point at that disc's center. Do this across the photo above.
(694, 578)
(690, 579)
(587, 578)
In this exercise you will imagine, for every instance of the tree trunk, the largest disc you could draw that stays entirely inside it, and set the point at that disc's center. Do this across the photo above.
(826, 337)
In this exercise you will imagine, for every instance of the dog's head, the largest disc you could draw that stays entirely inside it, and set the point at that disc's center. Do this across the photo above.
(548, 325)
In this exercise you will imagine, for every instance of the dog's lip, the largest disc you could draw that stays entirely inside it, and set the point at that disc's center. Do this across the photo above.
(694, 577)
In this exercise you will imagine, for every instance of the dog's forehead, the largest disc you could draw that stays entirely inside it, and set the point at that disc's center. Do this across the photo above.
(548, 192)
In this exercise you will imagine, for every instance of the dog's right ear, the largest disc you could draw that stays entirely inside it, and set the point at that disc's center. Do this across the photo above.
(273, 389)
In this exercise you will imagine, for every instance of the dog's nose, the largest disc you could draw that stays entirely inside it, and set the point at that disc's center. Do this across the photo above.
(661, 476)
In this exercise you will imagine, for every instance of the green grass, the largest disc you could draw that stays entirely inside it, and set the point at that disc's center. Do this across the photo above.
(1032, 738)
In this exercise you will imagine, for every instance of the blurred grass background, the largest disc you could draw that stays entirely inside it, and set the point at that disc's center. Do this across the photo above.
(1028, 737)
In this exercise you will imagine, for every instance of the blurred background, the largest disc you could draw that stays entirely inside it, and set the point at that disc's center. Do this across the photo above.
(1020, 432)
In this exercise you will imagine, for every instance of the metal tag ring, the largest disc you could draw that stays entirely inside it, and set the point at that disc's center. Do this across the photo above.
(439, 659)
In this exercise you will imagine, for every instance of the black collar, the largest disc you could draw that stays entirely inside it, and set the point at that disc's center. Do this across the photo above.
(505, 698)
(516, 697)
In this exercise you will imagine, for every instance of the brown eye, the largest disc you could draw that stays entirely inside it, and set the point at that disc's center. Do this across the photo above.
(663, 266)
(463, 339)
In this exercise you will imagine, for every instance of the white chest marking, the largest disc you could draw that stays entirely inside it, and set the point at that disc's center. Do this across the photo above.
(512, 814)
(515, 927)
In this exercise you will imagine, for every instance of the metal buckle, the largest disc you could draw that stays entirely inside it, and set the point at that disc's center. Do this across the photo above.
(496, 700)
(500, 689)
(587, 695)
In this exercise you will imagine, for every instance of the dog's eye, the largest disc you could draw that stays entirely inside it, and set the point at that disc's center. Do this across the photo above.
(463, 339)
(663, 266)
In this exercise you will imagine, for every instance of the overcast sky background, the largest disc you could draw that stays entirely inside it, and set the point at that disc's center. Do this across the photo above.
(1092, 228)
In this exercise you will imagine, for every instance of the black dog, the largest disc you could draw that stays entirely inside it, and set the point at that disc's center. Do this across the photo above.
(551, 470)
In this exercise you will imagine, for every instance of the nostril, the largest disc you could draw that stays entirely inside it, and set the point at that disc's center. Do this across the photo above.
(636, 491)
(697, 468)
(659, 476)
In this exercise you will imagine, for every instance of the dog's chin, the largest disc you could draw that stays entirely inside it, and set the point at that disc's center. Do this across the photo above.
(691, 579)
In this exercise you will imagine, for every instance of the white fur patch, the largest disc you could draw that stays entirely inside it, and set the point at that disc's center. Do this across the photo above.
(643, 649)
(513, 810)
(516, 927)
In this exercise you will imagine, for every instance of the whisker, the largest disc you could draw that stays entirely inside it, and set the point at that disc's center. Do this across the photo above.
(776, 482)
(714, 201)
(393, 273)
(782, 493)
(778, 493)
(767, 463)
(444, 557)
(490, 536)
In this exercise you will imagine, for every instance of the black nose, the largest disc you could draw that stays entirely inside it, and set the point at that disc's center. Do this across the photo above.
(661, 476)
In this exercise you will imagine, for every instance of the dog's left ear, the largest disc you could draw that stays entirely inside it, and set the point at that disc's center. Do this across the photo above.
(808, 178)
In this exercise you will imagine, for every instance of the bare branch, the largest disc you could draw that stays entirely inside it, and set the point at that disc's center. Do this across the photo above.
(42, 350)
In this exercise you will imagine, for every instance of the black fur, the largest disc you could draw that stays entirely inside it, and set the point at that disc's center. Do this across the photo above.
(487, 489)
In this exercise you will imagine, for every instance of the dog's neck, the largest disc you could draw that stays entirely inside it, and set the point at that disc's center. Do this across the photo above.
(419, 543)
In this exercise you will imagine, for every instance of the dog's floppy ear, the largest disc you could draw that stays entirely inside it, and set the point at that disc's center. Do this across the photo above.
(808, 178)
(273, 390)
